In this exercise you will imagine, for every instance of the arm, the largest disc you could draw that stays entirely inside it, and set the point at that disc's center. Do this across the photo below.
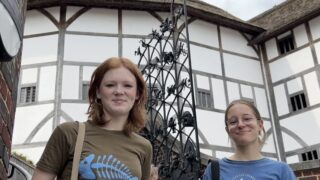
(42, 175)
(289, 174)
(146, 166)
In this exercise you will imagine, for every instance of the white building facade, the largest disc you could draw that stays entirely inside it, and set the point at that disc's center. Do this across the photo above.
(277, 70)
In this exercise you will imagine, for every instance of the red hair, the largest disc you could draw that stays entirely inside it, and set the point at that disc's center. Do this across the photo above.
(137, 115)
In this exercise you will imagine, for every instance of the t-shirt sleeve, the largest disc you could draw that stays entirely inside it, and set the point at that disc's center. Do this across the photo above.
(288, 173)
(56, 153)
(146, 165)
(207, 173)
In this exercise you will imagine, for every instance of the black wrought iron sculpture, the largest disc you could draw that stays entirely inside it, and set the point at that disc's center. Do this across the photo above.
(172, 125)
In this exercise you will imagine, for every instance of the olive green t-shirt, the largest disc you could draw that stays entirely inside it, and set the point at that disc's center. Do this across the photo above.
(105, 155)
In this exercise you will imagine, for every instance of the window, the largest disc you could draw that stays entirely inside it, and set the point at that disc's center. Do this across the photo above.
(85, 90)
(298, 102)
(204, 98)
(28, 94)
(286, 44)
(311, 155)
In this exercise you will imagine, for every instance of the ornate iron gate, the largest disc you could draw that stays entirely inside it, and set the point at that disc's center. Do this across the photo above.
(172, 125)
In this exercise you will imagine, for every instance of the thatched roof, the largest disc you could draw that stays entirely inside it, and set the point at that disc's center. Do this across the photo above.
(196, 8)
(285, 16)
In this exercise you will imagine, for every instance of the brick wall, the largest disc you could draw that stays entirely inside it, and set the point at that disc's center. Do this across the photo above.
(308, 170)
(309, 174)
(9, 75)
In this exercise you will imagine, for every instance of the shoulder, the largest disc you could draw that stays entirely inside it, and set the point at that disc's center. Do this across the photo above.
(68, 125)
(274, 164)
(141, 141)
(68, 128)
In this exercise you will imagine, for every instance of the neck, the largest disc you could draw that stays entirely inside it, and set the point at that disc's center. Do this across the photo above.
(245, 153)
(116, 123)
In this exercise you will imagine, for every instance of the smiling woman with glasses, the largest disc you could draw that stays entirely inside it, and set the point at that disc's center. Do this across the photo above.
(245, 128)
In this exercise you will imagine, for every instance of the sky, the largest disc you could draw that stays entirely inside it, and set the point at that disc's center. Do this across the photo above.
(244, 9)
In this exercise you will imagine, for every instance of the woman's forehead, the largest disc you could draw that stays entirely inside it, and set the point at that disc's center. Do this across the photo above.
(241, 108)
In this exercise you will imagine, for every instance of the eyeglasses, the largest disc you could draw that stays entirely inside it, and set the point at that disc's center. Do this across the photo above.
(233, 122)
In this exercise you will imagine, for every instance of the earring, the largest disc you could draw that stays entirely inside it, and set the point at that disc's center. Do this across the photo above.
(96, 101)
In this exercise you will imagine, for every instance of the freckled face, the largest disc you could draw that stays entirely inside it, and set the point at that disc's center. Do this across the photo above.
(242, 125)
(118, 92)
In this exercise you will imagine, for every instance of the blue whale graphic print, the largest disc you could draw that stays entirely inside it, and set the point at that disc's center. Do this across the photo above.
(104, 167)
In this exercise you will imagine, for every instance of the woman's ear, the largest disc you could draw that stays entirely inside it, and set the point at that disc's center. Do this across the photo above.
(260, 123)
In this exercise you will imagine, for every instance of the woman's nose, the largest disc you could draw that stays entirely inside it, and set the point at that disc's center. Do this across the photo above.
(119, 90)
(241, 123)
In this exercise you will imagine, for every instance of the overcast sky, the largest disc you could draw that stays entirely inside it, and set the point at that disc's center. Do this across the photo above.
(244, 9)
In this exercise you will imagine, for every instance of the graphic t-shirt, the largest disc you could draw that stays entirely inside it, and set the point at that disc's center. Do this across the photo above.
(105, 155)
(263, 169)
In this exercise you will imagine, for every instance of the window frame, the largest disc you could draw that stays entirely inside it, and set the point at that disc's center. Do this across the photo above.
(298, 97)
(33, 93)
(309, 155)
(200, 104)
(84, 95)
(285, 39)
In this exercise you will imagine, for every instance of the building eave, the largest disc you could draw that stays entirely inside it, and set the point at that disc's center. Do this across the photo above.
(196, 8)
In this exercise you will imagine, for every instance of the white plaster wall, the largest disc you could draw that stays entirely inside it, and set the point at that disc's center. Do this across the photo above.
(206, 151)
(44, 132)
(87, 72)
(22, 129)
(271, 48)
(138, 22)
(84, 48)
(300, 35)
(269, 143)
(232, 40)
(40, 49)
(55, 12)
(312, 86)
(290, 143)
(76, 111)
(294, 85)
(281, 100)
(29, 76)
(219, 95)
(72, 10)
(98, 20)
(305, 125)
(203, 33)
(261, 102)
(212, 126)
(129, 46)
(203, 82)
(206, 60)
(317, 49)
(242, 68)
(292, 159)
(36, 23)
(70, 82)
(233, 91)
(292, 64)
(315, 27)
(246, 91)
(47, 83)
